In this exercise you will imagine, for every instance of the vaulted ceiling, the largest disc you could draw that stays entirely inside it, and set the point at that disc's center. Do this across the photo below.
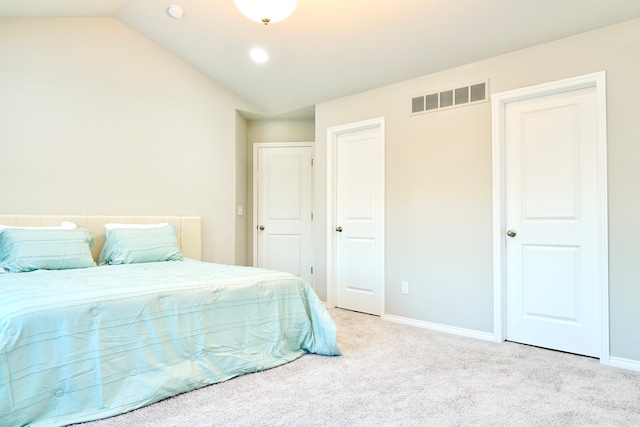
(332, 48)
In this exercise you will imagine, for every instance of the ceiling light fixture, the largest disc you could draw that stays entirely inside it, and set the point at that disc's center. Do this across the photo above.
(259, 55)
(266, 11)
(175, 11)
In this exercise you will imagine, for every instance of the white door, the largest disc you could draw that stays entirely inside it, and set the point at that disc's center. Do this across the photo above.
(284, 209)
(359, 219)
(553, 269)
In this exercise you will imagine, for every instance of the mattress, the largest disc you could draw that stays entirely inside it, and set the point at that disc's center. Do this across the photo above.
(84, 344)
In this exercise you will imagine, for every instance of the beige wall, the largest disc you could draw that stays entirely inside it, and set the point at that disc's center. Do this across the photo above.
(241, 189)
(439, 191)
(271, 130)
(97, 119)
(281, 130)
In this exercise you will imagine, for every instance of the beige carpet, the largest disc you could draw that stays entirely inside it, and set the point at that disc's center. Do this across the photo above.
(395, 375)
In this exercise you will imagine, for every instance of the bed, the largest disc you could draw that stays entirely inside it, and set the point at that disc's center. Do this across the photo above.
(81, 344)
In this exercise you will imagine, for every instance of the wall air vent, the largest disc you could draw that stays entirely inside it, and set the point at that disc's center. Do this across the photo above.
(457, 96)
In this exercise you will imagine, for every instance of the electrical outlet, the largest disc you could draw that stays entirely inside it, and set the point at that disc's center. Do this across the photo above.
(405, 288)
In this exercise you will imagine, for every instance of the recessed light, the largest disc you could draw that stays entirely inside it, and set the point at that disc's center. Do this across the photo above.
(259, 55)
(175, 11)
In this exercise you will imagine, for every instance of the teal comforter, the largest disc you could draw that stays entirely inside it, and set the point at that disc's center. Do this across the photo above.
(79, 345)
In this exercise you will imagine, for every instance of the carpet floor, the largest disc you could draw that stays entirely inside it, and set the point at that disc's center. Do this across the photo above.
(397, 375)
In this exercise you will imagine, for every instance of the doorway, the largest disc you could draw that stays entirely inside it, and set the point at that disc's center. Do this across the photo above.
(283, 208)
(355, 216)
(550, 223)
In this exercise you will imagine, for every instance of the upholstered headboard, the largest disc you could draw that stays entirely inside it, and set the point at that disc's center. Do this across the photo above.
(189, 228)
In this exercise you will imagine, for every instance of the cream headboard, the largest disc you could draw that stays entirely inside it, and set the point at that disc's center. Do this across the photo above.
(189, 228)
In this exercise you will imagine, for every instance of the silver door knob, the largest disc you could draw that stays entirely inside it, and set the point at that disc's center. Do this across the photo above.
(511, 233)
(261, 227)
(339, 229)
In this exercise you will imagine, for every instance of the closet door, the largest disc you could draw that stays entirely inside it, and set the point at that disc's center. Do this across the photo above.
(357, 223)
(284, 239)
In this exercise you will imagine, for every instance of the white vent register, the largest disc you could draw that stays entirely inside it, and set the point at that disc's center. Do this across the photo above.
(457, 96)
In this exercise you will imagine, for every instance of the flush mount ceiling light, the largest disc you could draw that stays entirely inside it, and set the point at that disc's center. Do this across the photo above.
(175, 11)
(259, 55)
(266, 11)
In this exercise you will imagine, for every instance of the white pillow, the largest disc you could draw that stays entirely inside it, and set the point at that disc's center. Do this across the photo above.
(64, 225)
(113, 226)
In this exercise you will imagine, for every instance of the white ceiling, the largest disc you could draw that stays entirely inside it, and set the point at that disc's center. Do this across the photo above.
(332, 48)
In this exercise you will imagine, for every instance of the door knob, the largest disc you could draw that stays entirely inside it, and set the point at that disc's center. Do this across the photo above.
(511, 233)
(339, 229)
(261, 227)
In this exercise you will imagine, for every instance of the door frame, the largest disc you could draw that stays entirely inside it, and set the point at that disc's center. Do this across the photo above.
(332, 141)
(254, 221)
(498, 105)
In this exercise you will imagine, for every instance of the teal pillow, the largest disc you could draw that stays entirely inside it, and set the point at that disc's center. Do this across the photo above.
(134, 245)
(23, 250)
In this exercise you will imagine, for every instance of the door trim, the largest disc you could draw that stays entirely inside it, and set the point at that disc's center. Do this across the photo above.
(332, 139)
(498, 104)
(254, 219)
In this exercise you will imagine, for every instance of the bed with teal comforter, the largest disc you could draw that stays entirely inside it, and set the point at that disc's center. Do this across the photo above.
(85, 344)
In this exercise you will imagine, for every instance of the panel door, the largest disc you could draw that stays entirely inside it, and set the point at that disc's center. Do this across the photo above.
(360, 221)
(553, 288)
(284, 211)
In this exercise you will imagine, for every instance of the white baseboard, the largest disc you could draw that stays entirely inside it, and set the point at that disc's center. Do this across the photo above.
(470, 333)
(616, 362)
(619, 362)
